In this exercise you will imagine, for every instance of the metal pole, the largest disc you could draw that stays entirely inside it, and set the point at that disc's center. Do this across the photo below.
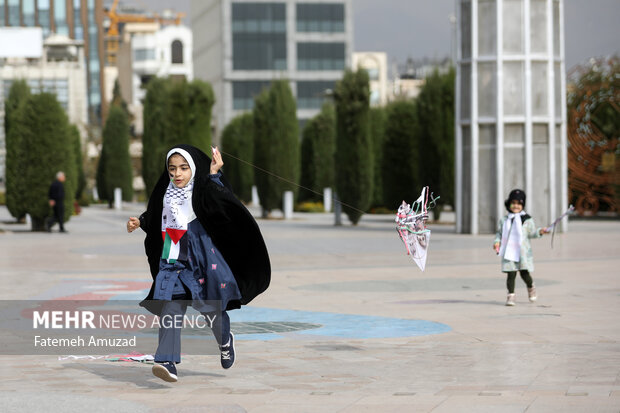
(337, 211)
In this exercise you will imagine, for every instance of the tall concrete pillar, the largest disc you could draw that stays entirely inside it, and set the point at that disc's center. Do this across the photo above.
(510, 109)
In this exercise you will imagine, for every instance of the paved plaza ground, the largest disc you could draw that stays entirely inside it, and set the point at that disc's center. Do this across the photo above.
(349, 323)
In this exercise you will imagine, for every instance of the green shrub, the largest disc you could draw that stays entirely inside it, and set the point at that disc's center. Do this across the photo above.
(310, 207)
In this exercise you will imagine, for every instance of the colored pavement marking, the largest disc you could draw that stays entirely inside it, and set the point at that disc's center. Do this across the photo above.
(334, 325)
(257, 323)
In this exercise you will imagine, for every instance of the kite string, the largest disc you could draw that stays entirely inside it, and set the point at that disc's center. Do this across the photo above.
(433, 203)
(291, 182)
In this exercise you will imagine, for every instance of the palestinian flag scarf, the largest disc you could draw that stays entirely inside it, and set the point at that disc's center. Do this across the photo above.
(176, 215)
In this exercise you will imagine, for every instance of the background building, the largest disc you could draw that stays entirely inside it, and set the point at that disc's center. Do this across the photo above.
(139, 45)
(148, 50)
(240, 46)
(409, 78)
(511, 110)
(57, 65)
(375, 63)
(77, 19)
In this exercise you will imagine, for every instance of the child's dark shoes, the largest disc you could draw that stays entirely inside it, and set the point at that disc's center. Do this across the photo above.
(227, 353)
(166, 371)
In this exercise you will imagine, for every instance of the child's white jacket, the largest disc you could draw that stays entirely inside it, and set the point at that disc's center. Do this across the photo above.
(526, 261)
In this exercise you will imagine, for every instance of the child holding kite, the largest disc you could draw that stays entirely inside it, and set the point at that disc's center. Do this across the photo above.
(512, 243)
(196, 254)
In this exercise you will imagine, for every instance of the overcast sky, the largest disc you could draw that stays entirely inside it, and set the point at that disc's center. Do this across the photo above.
(421, 28)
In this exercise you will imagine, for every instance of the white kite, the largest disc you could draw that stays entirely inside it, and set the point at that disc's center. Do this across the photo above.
(551, 227)
(411, 227)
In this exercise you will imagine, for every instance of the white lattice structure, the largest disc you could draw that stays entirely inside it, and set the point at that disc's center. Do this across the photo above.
(510, 110)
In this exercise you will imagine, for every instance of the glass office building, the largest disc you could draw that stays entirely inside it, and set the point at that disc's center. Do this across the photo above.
(510, 109)
(76, 19)
(240, 46)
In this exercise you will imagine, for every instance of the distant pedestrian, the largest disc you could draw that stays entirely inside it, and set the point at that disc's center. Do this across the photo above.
(56, 199)
(202, 244)
(512, 243)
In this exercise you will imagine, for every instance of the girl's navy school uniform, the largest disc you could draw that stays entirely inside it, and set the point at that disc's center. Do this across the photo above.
(203, 248)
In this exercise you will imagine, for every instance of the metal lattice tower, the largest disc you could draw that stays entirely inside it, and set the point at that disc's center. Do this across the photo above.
(511, 110)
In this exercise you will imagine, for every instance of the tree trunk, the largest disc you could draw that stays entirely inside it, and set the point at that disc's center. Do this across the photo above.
(38, 224)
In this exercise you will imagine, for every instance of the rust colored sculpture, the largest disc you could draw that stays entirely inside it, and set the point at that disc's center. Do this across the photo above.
(593, 129)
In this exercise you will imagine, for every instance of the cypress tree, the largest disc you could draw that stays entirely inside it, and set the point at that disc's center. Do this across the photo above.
(276, 144)
(178, 113)
(49, 151)
(377, 137)
(76, 141)
(436, 120)
(156, 131)
(238, 146)
(354, 166)
(317, 153)
(174, 112)
(263, 122)
(114, 167)
(306, 179)
(286, 135)
(15, 149)
(117, 99)
(200, 98)
(402, 155)
(100, 182)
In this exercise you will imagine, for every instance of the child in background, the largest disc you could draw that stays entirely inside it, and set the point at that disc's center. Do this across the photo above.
(512, 243)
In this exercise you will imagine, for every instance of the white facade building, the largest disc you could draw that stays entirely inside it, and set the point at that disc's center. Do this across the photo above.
(59, 69)
(240, 46)
(149, 50)
(165, 52)
(510, 110)
(375, 63)
(405, 88)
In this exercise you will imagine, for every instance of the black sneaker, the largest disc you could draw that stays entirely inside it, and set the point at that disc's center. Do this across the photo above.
(166, 371)
(227, 353)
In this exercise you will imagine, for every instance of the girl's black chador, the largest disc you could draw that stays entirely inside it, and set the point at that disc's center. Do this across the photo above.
(202, 245)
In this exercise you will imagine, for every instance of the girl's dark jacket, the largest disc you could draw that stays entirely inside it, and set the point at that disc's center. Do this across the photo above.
(229, 224)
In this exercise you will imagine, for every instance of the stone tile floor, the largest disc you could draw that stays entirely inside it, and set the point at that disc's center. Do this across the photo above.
(349, 324)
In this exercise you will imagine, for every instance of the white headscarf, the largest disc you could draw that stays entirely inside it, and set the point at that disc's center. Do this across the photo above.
(511, 237)
(187, 157)
(177, 210)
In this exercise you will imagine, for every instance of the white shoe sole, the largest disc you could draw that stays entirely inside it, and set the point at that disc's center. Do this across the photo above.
(163, 373)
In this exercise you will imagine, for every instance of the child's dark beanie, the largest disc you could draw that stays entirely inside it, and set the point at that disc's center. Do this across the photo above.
(515, 195)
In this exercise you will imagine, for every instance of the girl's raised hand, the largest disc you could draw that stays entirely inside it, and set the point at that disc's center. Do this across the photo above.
(216, 161)
(133, 224)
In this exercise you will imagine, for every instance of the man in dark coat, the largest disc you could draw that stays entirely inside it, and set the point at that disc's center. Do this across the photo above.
(56, 198)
